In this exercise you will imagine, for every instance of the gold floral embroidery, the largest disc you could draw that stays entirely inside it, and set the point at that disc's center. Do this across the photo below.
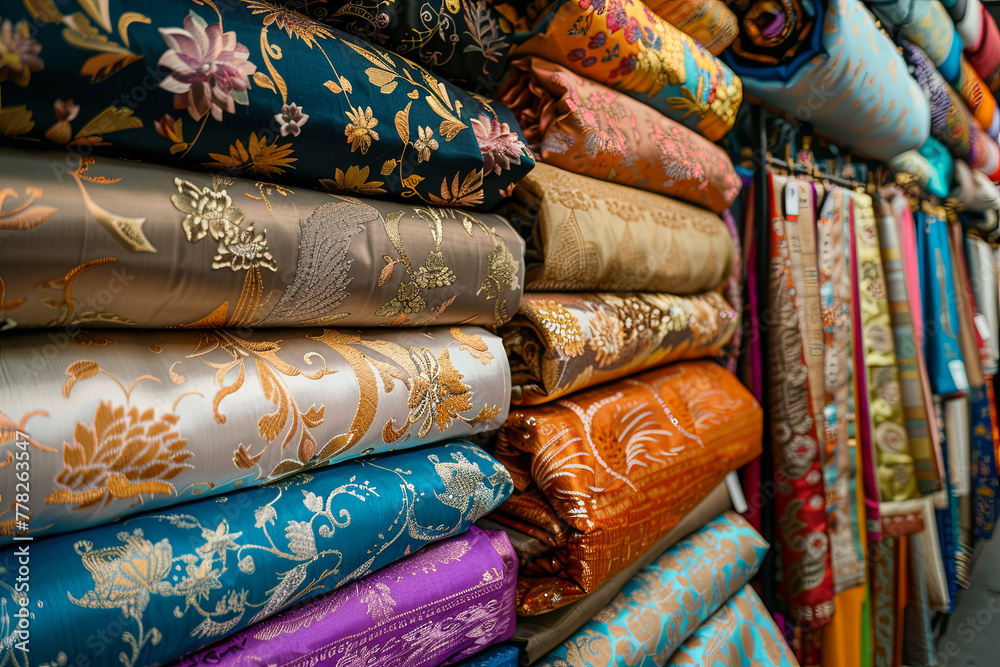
(561, 327)
(125, 230)
(355, 181)
(27, 215)
(258, 158)
(67, 305)
(360, 131)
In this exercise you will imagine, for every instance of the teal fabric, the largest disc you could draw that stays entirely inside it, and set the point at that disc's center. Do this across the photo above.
(175, 581)
(667, 601)
(501, 656)
(740, 634)
(255, 90)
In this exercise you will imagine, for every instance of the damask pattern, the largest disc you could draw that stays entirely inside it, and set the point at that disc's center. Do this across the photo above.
(622, 44)
(445, 602)
(587, 234)
(740, 634)
(185, 249)
(319, 108)
(587, 128)
(561, 343)
(180, 580)
(667, 601)
(134, 421)
(603, 474)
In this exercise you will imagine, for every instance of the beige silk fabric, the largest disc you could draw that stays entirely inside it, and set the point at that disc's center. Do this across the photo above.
(560, 343)
(589, 234)
(90, 243)
(120, 422)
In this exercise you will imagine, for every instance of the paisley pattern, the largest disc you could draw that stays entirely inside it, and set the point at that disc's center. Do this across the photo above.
(129, 422)
(168, 248)
(622, 44)
(562, 343)
(584, 127)
(740, 634)
(256, 90)
(445, 602)
(182, 579)
(829, 65)
(586, 234)
(603, 474)
(668, 600)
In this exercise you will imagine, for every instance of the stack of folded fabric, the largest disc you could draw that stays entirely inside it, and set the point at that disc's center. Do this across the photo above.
(234, 464)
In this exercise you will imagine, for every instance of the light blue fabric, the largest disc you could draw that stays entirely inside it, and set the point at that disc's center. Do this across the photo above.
(666, 602)
(175, 581)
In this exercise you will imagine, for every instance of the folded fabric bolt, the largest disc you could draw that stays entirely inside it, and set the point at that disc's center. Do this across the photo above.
(444, 603)
(587, 128)
(666, 603)
(865, 98)
(467, 47)
(709, 22)
(182, 579)
(605, 473)
(949, 122)
(627, 47)
(927, 24)
(740, 634)
(102, 243)
(588, 234)
(128, 422)
(561, 343)
(253, 90)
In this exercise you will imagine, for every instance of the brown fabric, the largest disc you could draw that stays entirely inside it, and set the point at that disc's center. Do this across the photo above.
(603, 475)
(587, 234)
(118, 244)
(537, 635)
(561, 343)
(590, 129)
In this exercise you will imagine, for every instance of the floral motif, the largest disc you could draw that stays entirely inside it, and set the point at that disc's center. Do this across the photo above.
(408, 300)
(244, 249)
(355, 181)
(125, 576)
(207, 211)
(607, 338)
(561, 326)
(61, 132)
(425, 143)
(121, 455)
(360, 131)
(294, 23)
(258, 158)
(438, 393)
(209, 68)
(291, 119)
(18, 53)
(434, 273)
(499, 144)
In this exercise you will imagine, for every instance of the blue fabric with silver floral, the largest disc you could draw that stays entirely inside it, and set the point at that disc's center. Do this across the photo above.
(250, 89)
(178, 580)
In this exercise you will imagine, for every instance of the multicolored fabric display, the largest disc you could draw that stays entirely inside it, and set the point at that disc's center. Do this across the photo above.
(128, 422)
(967, 16)
(839, 467)
(984, 53)
(587, 234)
(538, 635)
(740, 634)
(800, 503)
(165, 248)
(170, 580)
(944, 356)
(931, 167)
(587, 128)
(927, 24)
(915, 407)
(883, 596)
(894, 457)
(604, 474)
(667, 601)
(560, 343)
(979, 98)
(829, 65)
(949, 122)
(627, 47)
(317, 108)
(444, 603)
(464, 41)
(709, 22)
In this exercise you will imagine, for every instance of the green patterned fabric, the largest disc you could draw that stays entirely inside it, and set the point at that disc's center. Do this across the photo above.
(248, 88)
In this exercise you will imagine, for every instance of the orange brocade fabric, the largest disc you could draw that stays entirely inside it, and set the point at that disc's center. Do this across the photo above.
(602, 475)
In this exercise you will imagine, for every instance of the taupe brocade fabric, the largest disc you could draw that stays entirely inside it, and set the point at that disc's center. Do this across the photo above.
(121, 422)
(102, 243)
(560, 343)
(586, 234)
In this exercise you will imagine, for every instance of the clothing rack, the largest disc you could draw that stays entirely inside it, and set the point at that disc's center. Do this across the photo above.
(815, 173)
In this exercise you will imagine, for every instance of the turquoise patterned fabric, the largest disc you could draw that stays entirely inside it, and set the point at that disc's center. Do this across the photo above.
(178, 580)
(501, 656)
(248, 88)
(740, 634)
(665, 603)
